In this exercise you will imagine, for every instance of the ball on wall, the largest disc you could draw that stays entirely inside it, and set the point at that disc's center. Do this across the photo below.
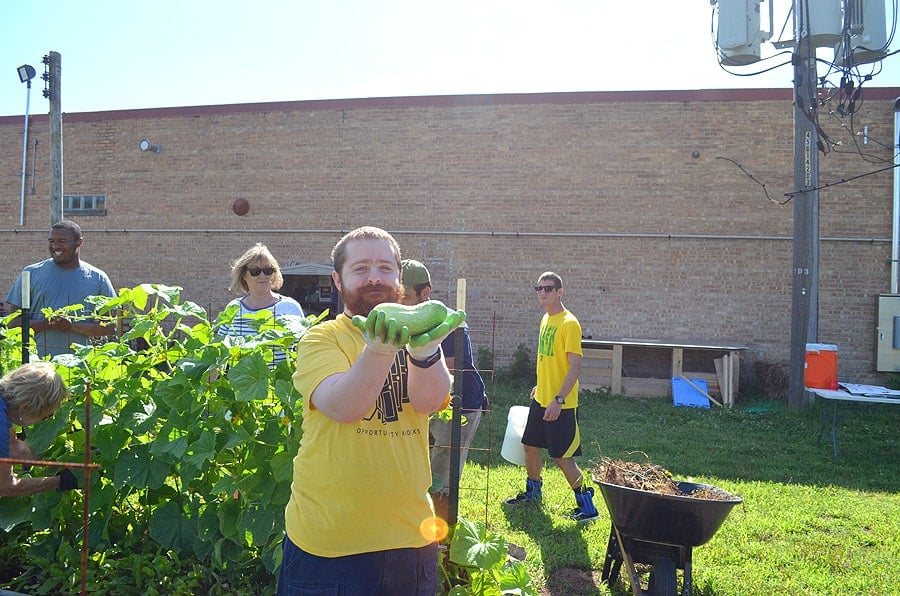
(240, 206)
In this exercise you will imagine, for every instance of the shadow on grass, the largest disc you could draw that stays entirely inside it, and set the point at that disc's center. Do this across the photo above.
(533, 520)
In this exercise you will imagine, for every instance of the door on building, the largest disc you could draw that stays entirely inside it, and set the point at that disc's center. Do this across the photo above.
(311, 285)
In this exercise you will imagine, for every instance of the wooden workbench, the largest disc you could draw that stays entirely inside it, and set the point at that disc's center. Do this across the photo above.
(602, 366)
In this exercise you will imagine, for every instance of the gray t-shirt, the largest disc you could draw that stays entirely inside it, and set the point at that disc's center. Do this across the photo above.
(54, 287)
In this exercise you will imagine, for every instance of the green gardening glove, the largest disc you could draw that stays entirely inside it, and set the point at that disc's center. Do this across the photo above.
(382, 335)
(425, 345)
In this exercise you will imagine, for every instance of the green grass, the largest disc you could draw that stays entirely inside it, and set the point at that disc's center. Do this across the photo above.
(809, 524)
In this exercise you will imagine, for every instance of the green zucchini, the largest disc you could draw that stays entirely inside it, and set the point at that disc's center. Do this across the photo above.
(419, 318)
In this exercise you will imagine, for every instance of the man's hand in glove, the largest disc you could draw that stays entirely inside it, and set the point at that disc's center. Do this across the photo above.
(425, 345)
(67, 480)
(382, 334)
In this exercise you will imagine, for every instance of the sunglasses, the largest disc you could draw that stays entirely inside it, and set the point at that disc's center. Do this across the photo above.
(540, 289)
(254, 272)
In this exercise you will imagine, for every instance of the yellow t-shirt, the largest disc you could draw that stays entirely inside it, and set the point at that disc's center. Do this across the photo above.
(361, 486)
(560, 334)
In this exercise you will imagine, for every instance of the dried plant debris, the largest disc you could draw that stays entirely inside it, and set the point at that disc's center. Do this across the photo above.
(651, 478)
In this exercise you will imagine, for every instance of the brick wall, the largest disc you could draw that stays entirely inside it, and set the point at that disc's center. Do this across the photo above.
(629, 196)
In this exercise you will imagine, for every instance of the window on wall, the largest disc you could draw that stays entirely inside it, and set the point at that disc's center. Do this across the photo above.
(84, 204)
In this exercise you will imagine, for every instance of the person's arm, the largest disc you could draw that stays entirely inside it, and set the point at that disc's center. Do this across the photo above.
(18, 449)
(93, 328)
(89, 328)
(428, 387)
(351, 395)
(12, 486)
(573, 374)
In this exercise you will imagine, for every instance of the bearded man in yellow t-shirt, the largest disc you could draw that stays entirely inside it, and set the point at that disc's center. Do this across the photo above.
(359, 516)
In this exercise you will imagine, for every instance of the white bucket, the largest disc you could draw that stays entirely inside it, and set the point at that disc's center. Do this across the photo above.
(512, 449)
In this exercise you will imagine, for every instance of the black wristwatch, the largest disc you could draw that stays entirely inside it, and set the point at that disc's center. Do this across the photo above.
(428, 362)
(560, 400)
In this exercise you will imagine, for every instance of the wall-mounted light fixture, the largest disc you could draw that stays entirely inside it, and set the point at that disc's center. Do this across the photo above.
(148, 146)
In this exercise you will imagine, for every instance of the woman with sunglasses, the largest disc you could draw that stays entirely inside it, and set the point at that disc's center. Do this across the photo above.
(256, 275)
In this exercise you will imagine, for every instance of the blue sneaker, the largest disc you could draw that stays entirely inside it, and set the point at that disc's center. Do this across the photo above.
(532, 493)
(586, 511)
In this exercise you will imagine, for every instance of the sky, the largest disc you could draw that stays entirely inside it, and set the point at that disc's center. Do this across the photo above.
(121, 54)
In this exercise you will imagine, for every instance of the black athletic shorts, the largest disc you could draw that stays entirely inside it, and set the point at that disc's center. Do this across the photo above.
(561, 438)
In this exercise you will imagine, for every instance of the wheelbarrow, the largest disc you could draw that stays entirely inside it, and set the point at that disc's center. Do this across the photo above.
(660, 530)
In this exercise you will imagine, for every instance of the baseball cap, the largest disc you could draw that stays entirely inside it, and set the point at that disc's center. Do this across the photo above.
(413, 273)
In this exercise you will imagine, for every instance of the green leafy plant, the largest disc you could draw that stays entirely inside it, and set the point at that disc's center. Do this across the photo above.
(478, 564)
(521, 371)
(194, 434)
(484, 359)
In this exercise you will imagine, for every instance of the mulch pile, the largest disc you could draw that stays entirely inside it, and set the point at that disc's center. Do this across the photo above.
(649, 477)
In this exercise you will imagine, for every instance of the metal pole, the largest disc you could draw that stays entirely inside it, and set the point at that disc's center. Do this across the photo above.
(805, 269)
(24, 155)
(895, 215)
(25, 299)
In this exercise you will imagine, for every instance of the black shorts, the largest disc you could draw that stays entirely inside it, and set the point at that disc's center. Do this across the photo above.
(561, 438)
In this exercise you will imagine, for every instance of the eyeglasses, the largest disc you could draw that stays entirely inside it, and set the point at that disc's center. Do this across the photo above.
(254, 272)
(540, 289)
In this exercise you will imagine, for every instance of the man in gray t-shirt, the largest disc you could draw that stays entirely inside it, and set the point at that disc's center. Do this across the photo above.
(60, 281)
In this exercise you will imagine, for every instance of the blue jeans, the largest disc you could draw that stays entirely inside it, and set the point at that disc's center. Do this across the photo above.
(396, 572)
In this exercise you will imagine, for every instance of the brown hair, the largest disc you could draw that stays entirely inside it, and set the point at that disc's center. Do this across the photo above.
(557, 280)
(339, 252)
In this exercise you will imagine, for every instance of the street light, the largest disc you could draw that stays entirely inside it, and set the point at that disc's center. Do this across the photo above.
(26, 73)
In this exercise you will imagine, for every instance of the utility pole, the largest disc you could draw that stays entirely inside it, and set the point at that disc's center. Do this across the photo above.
(53, 63)
(805, 270)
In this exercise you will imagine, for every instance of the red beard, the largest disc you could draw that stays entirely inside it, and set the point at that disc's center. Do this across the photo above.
(363, 300)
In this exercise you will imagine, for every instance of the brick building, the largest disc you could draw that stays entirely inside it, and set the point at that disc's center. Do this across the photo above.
(635, 198)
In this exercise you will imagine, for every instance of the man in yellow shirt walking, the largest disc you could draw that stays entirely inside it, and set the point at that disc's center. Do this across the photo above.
(553, 415)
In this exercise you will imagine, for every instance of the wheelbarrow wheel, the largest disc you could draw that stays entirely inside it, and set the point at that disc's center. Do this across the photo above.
(663, 578)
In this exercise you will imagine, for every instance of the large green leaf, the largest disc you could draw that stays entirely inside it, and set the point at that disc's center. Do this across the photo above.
(175, 445)
(474, 545)
(250, 378)
(138, 416)
(170, 528)
(282, 466)
(260, 522)
(14, 511)
(515, 580)
(201, 450)
(230, 519)
(233, 436)
(109, 438)
(137, 467)
(44, 433)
